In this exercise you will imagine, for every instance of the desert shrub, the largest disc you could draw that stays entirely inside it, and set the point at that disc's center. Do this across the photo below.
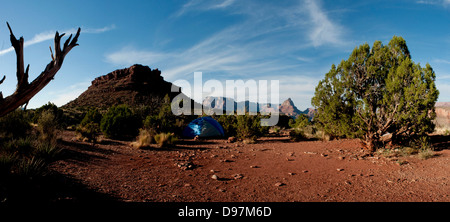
(21, 146)
(249, 127)
(92, 116)
(46, 151)
(120, 123)
(229, 124)
(284, 121)
(89, 128)
(165, 139)
(14, 125)
(89, 131)
(145, 138)
(300, 122)
(52, 108)
(31, 167)
(297, 135)
(165, 121)
(48, 127)
(425, 153)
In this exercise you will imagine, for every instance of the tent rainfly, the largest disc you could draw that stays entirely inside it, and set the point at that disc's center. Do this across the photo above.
(203, 127)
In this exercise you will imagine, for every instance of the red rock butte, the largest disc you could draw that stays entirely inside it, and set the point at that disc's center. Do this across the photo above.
(134, 86)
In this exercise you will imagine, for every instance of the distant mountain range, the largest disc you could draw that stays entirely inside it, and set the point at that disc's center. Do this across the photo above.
(286, 108)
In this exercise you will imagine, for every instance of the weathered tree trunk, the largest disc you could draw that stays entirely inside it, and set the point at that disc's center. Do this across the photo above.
(25, 90)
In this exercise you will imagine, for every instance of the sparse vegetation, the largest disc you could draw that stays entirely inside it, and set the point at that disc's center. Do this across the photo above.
(297, 135)
(145, 139)
(120, 123)
(165, 139)
(249, 127)
(89, 128)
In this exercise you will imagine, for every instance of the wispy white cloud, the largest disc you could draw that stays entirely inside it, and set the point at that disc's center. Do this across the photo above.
(323, 30)
(48, 35)
(270, 40)
(444, 3)
(201, 5)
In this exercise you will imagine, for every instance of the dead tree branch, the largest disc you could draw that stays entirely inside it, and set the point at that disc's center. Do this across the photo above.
(25, 90)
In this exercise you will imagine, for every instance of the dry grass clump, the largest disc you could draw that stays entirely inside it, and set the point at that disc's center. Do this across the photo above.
(165, 139)
(144, 140)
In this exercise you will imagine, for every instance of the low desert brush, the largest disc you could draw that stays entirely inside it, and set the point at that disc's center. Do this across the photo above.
(165, 139)
(425, 153)
(144, 139)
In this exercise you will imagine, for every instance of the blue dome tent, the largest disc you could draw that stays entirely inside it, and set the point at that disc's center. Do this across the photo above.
(203, 127)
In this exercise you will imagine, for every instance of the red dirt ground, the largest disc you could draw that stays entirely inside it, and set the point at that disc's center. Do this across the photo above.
(273, 170)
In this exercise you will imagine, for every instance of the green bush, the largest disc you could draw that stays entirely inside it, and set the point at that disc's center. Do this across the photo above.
(48, 127)
(229, 124)
(52, 108)
(165, 121)
(89, 128)
(297, 135)
(15, 125)
(120, 123)
(249, 127)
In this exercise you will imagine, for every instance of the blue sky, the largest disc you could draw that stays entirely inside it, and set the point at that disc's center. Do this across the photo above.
(293, 41)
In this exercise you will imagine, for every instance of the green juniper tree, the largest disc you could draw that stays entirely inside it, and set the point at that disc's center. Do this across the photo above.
(376, 91)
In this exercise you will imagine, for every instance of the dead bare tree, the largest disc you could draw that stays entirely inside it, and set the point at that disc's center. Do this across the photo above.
(25, 90)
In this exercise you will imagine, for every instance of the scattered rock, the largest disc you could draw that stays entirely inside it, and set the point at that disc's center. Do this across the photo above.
(215, 177)
(340, 170)
(186, 165)
(291, 174)
(305, 171)
(291, 153)
(254, 167)
(310, 153)
(237, 176)
(280, 184)
(231, 139)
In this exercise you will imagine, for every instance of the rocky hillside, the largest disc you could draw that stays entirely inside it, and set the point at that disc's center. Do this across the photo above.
(442, 117)
(135, 86)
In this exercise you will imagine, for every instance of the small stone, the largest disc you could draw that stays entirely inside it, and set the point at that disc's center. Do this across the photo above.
(237, 176)
(279, 184)
(231, 139)
(254, 166)
(215, 177)
(340, 170)
(305, 171)
(291, 174)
